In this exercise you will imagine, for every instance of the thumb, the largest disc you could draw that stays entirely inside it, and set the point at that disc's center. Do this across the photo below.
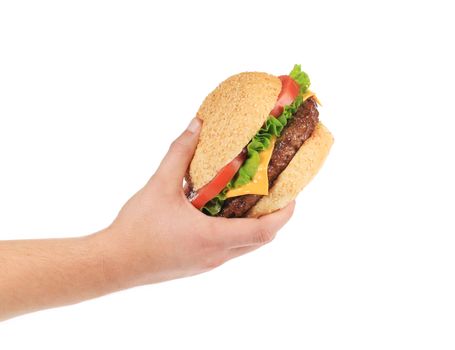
(176, 161)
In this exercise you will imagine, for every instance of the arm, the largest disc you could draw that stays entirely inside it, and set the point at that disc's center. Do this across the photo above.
(36, 274)
(158, 235)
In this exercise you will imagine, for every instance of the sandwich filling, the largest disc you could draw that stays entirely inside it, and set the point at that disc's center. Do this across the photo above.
(287, 145)
(290, 123)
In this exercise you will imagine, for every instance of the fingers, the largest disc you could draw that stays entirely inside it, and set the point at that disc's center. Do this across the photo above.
(176, 161)
(250, 232)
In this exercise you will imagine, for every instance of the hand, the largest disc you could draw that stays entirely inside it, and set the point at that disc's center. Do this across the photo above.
(158, 235)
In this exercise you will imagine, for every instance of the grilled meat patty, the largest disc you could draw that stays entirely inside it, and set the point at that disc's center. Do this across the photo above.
(295, 133)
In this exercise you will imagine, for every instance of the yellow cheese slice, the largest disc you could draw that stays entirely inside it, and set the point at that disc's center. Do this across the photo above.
(260, 182)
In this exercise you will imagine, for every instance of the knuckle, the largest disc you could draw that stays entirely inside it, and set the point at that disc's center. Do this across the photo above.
(208, 240)
(215, 261)
(202, 242)
(203, 236)
(158, 183)
(209, 237)
(264, 236)
(178, 146)
(213, 250)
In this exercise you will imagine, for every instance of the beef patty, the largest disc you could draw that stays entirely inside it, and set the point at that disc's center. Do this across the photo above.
(295, 133)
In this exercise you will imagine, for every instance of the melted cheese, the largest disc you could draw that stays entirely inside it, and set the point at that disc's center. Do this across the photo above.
(309, 94)
(260, 182)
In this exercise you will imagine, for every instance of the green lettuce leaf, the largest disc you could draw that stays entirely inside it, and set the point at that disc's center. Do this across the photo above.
(213, 207)
(261, 141)
(300, 77)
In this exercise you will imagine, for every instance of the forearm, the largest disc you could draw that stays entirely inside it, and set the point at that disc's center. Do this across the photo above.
(39, 274)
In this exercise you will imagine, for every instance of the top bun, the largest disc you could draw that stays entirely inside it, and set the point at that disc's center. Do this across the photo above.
(232, 114)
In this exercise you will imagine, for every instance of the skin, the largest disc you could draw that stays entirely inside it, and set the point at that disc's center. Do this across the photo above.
(157, 236)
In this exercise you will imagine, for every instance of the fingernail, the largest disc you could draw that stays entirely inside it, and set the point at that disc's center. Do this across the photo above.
(194, 125)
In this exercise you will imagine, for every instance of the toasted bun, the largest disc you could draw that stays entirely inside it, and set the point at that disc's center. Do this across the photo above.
(231, 114)
(302, 168)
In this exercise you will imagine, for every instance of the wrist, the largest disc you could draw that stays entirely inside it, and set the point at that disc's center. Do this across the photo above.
(110, 260)
(117, 260)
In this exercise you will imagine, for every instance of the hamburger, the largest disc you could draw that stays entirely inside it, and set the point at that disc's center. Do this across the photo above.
(260, 144)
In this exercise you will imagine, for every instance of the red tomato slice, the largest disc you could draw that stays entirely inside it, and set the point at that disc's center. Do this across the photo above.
(289, 91)
(210, 190)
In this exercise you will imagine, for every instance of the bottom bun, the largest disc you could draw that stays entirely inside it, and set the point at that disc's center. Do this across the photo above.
(302, 168)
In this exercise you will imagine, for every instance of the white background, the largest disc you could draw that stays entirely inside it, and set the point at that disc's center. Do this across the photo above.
(93, 92)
